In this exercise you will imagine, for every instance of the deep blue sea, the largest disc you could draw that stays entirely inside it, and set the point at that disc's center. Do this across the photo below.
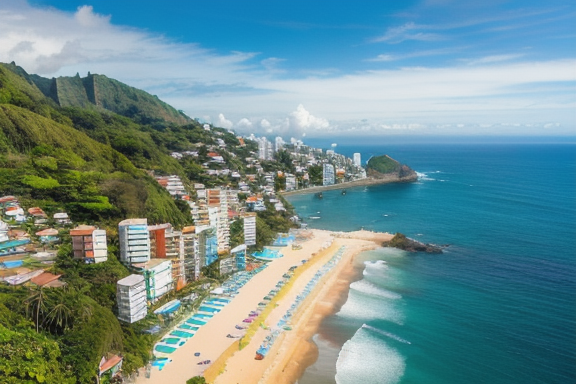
(499, 306)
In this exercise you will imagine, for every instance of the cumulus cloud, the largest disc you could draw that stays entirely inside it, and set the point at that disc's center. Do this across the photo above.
(223, 122)
(301, 119)
(265, 124)
(86, 17)
(244, 123)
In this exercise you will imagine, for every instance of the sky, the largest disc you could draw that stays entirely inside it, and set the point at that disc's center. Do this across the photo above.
(354, 68)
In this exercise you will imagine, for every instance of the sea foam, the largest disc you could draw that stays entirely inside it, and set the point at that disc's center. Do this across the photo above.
(368, 288)
(384, 333)
(369, 360)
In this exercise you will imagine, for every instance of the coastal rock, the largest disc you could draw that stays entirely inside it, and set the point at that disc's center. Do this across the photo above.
(400, 241)
(385, 167)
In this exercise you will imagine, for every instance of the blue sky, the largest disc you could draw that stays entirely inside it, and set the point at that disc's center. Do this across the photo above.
(318, 68)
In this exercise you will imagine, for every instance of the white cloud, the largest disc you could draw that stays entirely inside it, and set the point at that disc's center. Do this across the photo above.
(223, 122)
(301, 119)
(244, 123)
(496, 89)
(86, 17)
(492, 59)
(272, 63)
(408, 31)
(265, 124)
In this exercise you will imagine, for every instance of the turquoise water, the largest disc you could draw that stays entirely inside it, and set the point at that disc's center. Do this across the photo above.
(499, 306)
(208, 309)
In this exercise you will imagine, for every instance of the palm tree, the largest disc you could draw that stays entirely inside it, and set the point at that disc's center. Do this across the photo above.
(35, 305)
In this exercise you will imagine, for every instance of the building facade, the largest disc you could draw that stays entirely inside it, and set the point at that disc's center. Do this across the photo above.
(89, 244)
(328, 176)
(131, 298)
(134, 241)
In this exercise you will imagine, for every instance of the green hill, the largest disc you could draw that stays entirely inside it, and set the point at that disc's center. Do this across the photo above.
(384, 166)
(45, 160)
(100, 92)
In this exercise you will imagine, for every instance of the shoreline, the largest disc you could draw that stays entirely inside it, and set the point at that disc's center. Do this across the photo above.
(351, 184)
(294, 350)
(304, 351)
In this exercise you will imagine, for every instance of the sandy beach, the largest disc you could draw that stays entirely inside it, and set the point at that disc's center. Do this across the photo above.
(293, 351)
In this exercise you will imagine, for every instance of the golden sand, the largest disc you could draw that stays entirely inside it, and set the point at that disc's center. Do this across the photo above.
(293, 351)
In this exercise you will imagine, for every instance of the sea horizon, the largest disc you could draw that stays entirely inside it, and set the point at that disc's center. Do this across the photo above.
(497, 306)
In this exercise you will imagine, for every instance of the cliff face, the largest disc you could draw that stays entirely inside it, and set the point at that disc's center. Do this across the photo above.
(102, 92)
(386, 168)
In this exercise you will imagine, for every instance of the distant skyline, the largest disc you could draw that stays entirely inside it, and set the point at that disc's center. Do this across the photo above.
(320, 69)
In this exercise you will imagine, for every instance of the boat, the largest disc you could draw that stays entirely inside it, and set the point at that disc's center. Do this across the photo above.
(319, 195)
(343, 192)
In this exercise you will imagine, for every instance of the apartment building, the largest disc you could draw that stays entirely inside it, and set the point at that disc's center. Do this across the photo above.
(89, 244)
(131, 298)
(134, 241)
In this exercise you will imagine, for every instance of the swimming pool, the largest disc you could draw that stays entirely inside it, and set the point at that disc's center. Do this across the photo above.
(208, 309)
(173, 341)
(203, 316)
(216, 303)
(267, 254)
(164, 349)
(195, 321)
(182, 334)
(188, 327)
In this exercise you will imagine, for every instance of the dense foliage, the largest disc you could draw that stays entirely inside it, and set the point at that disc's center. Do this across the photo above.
(383, 164)
(62, 152)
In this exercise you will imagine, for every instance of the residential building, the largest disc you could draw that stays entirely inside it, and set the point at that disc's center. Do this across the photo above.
(357, 159)
(158, 276)
(131, 298)
(291, 183)
(192, 263)
(328, 174)
(134, 241)
(89, 244)
(250, 229)
(207, 244)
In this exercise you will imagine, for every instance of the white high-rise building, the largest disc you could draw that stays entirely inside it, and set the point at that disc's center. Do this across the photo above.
(134, 241)
(250, 229)
(265, 151)
(328, 174)
(131, 297)
(357, 159)
(278, 143)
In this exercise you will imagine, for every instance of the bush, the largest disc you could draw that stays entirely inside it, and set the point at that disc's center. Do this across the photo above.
(196, 380)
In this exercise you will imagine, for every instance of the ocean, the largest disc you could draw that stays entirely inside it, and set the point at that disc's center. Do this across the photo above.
(498, 306)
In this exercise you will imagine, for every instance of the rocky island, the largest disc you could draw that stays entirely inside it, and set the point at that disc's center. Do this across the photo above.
(400, 241)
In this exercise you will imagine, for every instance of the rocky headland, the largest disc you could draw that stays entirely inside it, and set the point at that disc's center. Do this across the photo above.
(400, 241)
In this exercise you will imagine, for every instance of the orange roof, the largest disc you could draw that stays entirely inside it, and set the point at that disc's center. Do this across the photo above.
(81, 232)
(110, 363)
(6, 199)
(36, 211)
(47, 232)
(212, 154)
(44, 278)
(251, 199)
